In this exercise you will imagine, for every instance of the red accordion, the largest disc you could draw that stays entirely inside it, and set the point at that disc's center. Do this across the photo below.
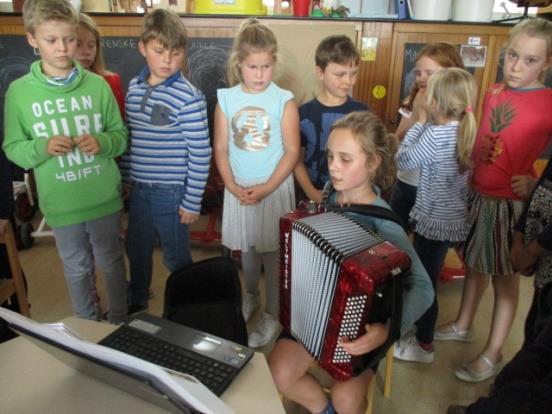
(336, 276)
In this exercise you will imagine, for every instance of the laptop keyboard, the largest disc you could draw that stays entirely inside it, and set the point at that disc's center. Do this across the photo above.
(213, 374)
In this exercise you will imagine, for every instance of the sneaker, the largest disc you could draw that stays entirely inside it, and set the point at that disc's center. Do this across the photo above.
(266, 329)
(450, 332)
(409, 350)
(250, 303)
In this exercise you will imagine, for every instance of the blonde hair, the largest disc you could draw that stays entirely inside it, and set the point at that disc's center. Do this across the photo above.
(444, 54)
(535, 27)
(98, 66)
(36, 12)
(451, 92)
(368, 130)
(252, 37)
(166, 27)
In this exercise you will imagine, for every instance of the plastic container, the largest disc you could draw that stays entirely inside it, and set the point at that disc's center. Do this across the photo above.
(301, 8)
(249, 7)
(432, 9)
(478, 11)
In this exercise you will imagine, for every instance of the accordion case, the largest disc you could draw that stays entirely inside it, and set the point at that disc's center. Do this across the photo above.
(336, 276)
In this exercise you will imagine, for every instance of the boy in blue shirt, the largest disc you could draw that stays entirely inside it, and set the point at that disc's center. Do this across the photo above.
(337, 62)
(169, 157)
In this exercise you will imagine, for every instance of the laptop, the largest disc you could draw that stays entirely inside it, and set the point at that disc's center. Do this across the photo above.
(171, 390)
(212, 360)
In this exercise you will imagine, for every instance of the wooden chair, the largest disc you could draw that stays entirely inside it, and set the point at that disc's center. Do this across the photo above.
(14, 285)
(386, 381)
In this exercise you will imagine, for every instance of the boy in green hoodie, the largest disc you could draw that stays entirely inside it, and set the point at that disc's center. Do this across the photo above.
(63, 122)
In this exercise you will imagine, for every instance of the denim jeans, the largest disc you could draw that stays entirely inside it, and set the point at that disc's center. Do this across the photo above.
(153, 214)
(403, 197)
(432, 253)
(79, 245)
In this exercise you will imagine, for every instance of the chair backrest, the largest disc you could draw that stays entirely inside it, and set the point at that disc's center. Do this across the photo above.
(206, 295)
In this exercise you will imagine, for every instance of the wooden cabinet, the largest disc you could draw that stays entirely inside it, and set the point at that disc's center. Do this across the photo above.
(408, 38)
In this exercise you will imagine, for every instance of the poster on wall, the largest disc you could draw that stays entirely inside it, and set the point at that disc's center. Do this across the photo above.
(473, 56)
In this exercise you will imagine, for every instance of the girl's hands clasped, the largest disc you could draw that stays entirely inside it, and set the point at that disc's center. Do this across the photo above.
(59, 145)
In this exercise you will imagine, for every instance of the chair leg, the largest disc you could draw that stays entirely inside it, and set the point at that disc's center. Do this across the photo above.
(371, 394)
(388, 372)
(17, 275)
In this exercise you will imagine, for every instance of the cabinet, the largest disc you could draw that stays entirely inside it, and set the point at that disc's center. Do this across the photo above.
(408, 38)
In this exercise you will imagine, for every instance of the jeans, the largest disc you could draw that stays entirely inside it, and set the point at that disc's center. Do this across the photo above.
(153, 214)
(402, 200)
(432, 253)
(79, 245)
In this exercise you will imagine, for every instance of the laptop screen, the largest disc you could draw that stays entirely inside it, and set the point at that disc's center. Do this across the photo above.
(172, 391)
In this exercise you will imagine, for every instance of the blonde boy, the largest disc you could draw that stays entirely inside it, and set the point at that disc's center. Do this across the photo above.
(62, 121)
(169, 157)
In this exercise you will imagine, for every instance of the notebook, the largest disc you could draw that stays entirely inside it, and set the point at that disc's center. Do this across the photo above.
(173, 391)
(212, 360)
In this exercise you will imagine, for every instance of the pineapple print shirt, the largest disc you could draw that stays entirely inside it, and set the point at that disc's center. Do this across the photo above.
(515, 129)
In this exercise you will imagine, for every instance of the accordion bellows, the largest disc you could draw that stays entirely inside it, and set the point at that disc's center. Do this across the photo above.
(335, 276)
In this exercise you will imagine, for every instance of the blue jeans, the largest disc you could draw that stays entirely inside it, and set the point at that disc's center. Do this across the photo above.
(79, 246)
(153, 214)
(432, 253)
(403, 197)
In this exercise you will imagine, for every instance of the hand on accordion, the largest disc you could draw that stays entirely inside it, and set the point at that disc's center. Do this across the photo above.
(376, 334)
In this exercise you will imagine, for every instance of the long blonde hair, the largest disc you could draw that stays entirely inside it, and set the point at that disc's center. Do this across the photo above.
(252, 37)
(451, 92)
(368, 130)
(98, 66)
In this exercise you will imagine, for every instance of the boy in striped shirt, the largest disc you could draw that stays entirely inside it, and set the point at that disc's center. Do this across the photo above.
(169, 157)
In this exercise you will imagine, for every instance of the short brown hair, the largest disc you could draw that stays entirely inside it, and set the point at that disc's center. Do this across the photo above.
(166, 27)
(36, 12)
(338, 49)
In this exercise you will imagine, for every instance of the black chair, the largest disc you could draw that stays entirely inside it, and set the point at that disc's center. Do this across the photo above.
(206, 295)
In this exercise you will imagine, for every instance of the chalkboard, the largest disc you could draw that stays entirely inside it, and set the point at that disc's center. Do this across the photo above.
(411, 50)
(206, 63)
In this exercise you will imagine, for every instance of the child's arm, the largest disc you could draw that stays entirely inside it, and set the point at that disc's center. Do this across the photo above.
(221, 155)
(194, 125)
(523, 185)
(302, 176)
(417, 148)
(376, 334)
(290, 139)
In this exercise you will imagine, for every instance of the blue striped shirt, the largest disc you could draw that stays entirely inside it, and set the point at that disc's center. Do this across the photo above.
(440, 211)
(169, 136)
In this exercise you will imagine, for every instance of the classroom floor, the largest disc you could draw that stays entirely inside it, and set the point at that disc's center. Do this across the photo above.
(416, 388)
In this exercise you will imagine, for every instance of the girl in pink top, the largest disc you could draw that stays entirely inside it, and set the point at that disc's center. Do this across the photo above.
(515, 129)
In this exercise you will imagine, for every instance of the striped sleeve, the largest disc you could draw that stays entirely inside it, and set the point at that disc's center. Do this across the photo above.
(417, 149)
(193, 120)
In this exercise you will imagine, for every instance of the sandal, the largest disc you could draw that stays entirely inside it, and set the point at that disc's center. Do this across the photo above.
(451, 333)
(465, 373)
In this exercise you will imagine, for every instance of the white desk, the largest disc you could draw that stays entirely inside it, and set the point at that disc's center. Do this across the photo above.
(32, 381)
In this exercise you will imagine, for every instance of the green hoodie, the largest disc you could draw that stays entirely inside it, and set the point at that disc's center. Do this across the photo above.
(74, 187)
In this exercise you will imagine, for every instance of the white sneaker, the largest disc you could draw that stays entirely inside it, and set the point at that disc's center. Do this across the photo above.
(250, 303)
(266, 329)
(409, 350)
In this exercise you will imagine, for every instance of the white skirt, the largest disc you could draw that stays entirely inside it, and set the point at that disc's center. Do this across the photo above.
(256, 225)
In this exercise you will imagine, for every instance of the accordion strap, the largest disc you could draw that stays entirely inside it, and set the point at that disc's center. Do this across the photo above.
(363, 209)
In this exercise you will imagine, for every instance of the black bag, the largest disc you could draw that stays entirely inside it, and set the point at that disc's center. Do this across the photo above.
(206, 295)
